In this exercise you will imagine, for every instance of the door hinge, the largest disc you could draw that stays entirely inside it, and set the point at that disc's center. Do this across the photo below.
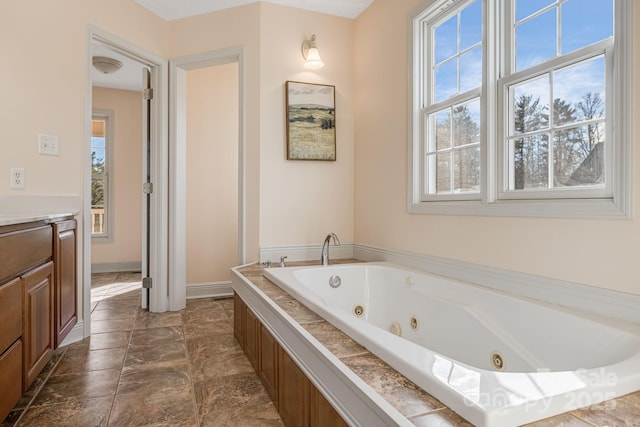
(148, 94)
(147, 187)
(147, 282)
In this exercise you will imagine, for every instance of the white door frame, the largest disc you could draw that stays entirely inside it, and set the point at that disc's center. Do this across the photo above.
(159, 153)
(178, 164)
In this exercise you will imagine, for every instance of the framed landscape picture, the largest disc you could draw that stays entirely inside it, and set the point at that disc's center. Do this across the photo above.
(311, 121)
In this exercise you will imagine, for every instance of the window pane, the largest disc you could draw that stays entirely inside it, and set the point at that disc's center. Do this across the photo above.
(585, 22)
(530, 105)
(579, 92)
(466, 123)
(443, 172)
(536, 40)
(579, 156)
(446, 77)
(97, 141)
(97, 192)
(471, 69)
(443, 130)
(446, 39)
(525, 8)
(471, 25)
(97, 160)
(99, 182)
(466, 173)
(530, 162)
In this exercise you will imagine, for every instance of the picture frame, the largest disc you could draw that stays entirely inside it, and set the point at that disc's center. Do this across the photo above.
(310, 121)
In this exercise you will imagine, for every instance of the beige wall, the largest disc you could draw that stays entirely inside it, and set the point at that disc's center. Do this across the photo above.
(237, 27)
(602, 253)
(301, 201)
(125, 245)
(212, 173)
(42, 85)
(361, 196)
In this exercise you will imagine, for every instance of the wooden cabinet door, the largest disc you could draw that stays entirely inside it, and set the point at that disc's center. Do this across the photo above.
(37, 321)
(238, 307)
(268, 363)
(251, 338)
(10, 313)
(64, 259)
(293, 392)
(10, 378)
(322, 413)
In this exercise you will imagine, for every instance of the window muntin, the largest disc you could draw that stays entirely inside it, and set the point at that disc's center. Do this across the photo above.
(568, 133)
(556, 109)
(546, 29)
(576, 163)
(453, 44)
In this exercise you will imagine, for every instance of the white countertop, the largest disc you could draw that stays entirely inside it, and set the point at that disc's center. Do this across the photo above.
(22, 217)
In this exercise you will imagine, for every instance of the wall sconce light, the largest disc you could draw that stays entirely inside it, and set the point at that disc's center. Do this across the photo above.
(106, 65)
(311, 54)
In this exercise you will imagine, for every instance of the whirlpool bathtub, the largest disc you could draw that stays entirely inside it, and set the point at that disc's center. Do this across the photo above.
(495, 359)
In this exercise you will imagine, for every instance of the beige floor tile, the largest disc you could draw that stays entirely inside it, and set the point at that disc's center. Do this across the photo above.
(166, 407)
(87, 385)
(75, 412)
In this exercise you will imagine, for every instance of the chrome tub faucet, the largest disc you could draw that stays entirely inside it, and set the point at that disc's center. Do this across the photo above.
(324, 260)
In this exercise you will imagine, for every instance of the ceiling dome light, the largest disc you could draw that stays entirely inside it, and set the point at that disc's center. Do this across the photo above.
(106, 65)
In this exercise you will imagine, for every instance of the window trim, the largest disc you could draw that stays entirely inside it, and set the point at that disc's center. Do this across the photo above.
(492, 202)
(108, 116)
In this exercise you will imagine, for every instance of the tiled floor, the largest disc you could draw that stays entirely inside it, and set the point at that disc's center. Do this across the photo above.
(139, 368)
(186, 369)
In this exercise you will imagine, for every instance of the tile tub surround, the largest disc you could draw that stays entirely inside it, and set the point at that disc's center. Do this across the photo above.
(420, 408)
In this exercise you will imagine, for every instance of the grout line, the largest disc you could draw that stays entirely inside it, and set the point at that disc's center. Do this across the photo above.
(124, 359)
(39, 389)
(193, 389)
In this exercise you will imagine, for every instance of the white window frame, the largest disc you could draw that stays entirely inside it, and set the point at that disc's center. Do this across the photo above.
(107, 236)
(614, 202)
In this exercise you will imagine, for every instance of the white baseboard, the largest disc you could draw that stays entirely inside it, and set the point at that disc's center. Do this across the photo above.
(303, 252)
(589, 299)
(116, 267)
(76, 334)
(209, 290)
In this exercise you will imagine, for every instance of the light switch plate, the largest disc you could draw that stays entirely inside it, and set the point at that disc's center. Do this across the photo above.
(48, 145)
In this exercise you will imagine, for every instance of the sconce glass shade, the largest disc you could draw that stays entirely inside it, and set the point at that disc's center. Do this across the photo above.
(313, 62)
(311, 54)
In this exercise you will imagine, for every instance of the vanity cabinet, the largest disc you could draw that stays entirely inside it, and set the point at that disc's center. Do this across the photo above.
(10, 345)
(65, 289)
(37, 287)
(37, 294)
(299, 402)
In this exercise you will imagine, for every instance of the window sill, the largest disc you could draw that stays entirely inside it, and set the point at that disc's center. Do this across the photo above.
(563, 208)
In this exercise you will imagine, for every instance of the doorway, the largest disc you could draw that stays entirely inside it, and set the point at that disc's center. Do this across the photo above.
(152, 159)
(211, 178)
(200, 280)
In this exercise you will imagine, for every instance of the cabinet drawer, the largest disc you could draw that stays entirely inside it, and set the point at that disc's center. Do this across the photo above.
(22, 249)
(10, 378)
(10, 313)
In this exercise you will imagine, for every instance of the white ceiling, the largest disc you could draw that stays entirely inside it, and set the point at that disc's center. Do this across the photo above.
(129, 77)
(176, 9)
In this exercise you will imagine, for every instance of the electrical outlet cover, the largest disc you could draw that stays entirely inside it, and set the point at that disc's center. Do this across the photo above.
(17, 178)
